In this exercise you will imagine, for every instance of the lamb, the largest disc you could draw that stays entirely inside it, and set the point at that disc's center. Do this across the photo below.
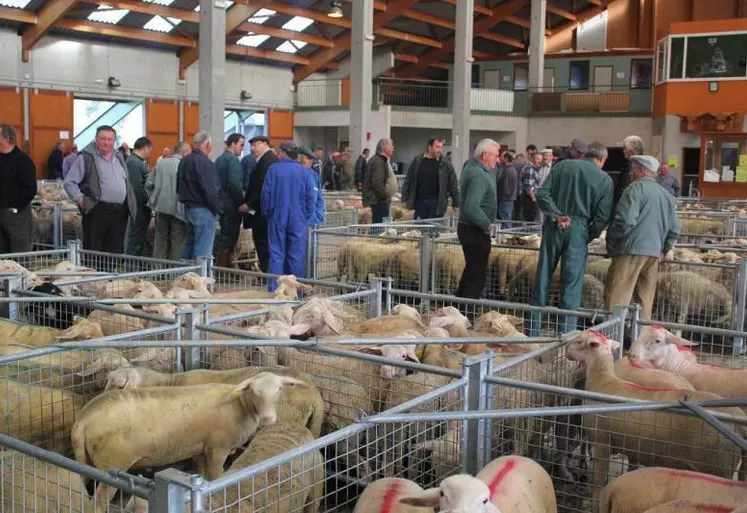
(598, 269)
(386, 324)
(288, 287)
(116, 323)
(685, 293)
(294, 486)
(647, 376)
(691, 507)
(54, 314)
(408, 311)
(508, 484)
(317, 314)
(633, 432)
(193, 281)
(11, 266)
(147, 290)
(179, 422)
(385, 494)
(664, 485)
(660, 347)
(40, 336)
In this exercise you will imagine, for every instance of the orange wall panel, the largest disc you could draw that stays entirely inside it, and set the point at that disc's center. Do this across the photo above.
(11, 110)
(724, 25)
(622, 24)
(670, 11)
(50, 112)
(279, 125)
(693, 98)
(714, 10)
(161, 125)
(345, 93)
(191, 120)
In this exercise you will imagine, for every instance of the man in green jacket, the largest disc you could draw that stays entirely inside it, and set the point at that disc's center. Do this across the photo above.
(231, 176)
(137, 243)
(644, 227)
(479, 209)
(576, 200)
(429, 183)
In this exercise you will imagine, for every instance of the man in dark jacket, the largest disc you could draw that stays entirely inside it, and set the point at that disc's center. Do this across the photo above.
(137, 173)
(252, 207)
(54, 162)
(378, 188)
(632, 146)
(429, 183)
(198, 187)
(232, 194)
(507, 188)
(360, 168)
(17, 189)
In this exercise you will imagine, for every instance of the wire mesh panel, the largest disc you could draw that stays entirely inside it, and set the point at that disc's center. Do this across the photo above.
(116, 263)
(42, 228)
(37, 260)
(340, 218)
(71, 224)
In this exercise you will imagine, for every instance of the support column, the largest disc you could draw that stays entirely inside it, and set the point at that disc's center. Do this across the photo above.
(460, 146)
(537, 45)
(212, 69)
(361, 61)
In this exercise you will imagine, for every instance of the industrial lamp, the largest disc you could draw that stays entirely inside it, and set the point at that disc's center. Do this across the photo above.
(113, 82)
(335, 10)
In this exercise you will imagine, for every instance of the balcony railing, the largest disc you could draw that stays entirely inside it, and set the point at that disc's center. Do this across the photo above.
(610, 100)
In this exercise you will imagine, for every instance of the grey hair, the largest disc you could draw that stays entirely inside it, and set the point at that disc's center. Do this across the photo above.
(201, 138)
(382, 142)
(484, 146)
(634, 144)
(596, 151)
(179, 147)
(8, 133)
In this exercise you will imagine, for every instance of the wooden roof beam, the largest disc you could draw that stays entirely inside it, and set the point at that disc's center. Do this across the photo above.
(45, 19)
(413, 59)
(105, 29)
(146, 8)
(11, 14)
(500, 38)
(568, 15)
(286, 34)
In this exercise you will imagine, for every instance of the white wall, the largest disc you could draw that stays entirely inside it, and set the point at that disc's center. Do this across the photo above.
(85, 66)
(333, 126)
(608, 130)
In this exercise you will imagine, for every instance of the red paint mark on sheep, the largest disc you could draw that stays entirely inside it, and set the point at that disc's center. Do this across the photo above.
(712, 508)
(649, 389)
(599, 336)
(637, 365)
(706, 478)
(684, 349)
(390, 497)
(495, 483)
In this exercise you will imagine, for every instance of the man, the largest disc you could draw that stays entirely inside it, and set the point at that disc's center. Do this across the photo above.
(171, 228)
(644, 227)
(247, 166)
(307, 158)
(576, 200)
(165, 152)
(578, 148)
(476, 217)
(198, 187)
(98, 182)
(328, 172)
(379, 184)
(232, 193)
(669, 182)
(546, 167)
(319, 152)
(529, 185)
(54, 162)
(137, 172)
(347, 171)
(507, 184)
(430, 182)
(67, 162)
(632, 146)
(288, 201)
(360, 168)
(252, 206)
(531, 151)
(520, 161)
(17, 189)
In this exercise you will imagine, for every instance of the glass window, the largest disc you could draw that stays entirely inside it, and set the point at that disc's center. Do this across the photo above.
(661, 61)
(640, 74)
(722, 158)
(716, 56)
(579, 75)
(521, 76)
(677, 57)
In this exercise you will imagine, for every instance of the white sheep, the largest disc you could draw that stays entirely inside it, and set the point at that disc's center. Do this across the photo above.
(319, 317)
(648, 376)
(386, 324)
(684, 293)
(110, 431)
(692, 507)
(289, 286)
(193, 281)
(41, 336)
(385, 494)
(408, 311)
(147, 290)
(662, 485)
(11, 266)
(660, 347)
(647, 437)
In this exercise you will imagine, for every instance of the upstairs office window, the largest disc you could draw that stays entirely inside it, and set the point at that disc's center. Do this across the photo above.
(521, 76)
(677, 57)
(579, 75)
(640, 73)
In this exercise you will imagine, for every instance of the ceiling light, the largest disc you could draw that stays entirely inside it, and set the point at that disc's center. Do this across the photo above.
(335, 10)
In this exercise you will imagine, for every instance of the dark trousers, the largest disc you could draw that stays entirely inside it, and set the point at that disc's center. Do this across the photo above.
(137, 243)
(426, 208)
(528, 208)
(230, 224)
(104, 228)
(261, 244)
(476, 248)
(15, 230)
(380, 211)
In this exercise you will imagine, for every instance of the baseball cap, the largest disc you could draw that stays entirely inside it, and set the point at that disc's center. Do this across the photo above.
(579, 145)
(288, 146)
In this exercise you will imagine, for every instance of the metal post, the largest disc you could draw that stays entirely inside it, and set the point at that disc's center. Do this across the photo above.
(635, 318)
(475, 441)
(189, 320)
(169, 495)
(537, 45)
(73, 251)
(354, 219)
(361, 62)
(740, 303)
(425, 260)
(57, 226)
(621, 313)
(434, 269)
(12, 284)
(212, 70)
(378, 297)
(462, 102)
(196, 481)
(389, 305)
(315, 262)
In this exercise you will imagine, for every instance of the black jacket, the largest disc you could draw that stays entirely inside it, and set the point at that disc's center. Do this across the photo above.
(253, 196)
(508, 182)
(623, 180)
(17, 179)
(360, 169)
(54, 164)
(197, 183)
(448, 184)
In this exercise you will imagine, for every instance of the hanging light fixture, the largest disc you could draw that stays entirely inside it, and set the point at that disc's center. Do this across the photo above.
(335, 10)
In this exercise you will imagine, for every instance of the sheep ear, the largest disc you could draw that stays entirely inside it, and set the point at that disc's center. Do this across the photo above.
(97, 365)
(370, 350)
(303, 287)
(288, 381)
(594, 343)
(614, 344)
(496, 326)
(299, 329)
(333, 322)
(427, 499)
(411, 354)
(441, 322)
(455, 347)
(516, 321)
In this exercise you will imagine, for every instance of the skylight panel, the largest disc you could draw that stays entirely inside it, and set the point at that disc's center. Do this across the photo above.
(228, 4)
(253, 40)
(262, 16)
(18, 4)
(298, 24)
(160, 24)
(108, 15)
(165, 3)
(291, 46)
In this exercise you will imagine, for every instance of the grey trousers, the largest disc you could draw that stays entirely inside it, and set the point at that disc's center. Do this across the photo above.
(171, 237)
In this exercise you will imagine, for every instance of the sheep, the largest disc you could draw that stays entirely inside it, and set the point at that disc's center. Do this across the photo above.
(289, 286)
(116, 323)
(450, 266)
(38, 415)
(598, 269)
(294, 486)
(660, 347)
(10, 266)
(456, 494)
(384, 495)
(691, 507)
(664, 485)
(633, 432)
(317, 314)
(386, 324)
(647, 376)
(408, 311)
(685, 293)
(109, 432)
(193, 281)
(147, 290)
(40, 336)
(54, 314)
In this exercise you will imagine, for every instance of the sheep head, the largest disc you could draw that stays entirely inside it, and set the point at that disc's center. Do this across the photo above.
(450, 311)
(193, 281)
(456, 494)
(398, 353)
(103, 363)
(589, 344)
(124, 378)
(261, 393)
(499, 323)
(164, 310)
(658, 345)
(318, 317)
(147, 290)
(436, 333)
(407, 311)
(288, 287)
(82, 329)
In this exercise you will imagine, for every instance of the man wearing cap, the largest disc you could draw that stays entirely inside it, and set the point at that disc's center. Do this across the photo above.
(578, 148)
(288, 200)
(644, 227)
(576, 200)
(252, 207)
(307, 157)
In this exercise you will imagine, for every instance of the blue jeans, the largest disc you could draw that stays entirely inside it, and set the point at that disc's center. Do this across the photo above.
(201, 223)
(506, 211)
(426, 208)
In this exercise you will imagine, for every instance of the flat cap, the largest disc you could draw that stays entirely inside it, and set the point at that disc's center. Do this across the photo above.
(546, 151)
(646, 162)
(288, 146)
(259, 138)
(579, 145)
(306, 152)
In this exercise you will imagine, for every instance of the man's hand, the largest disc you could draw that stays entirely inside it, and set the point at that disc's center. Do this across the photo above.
(244, 208)
(489, 229)
(80, 203)
(563, 222)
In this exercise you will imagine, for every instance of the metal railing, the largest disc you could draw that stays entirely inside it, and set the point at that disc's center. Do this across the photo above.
(609, 100)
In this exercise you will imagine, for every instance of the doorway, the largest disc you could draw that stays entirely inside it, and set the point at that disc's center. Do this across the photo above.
(690, 169)
(602, 78)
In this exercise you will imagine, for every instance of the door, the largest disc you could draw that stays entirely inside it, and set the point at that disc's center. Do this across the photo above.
(690, 169)
(191, 120)
(51, 115)
(279, 126)
(161, 125)
(548, 80)
(11, 110)
(602, 78)
(492, 79)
